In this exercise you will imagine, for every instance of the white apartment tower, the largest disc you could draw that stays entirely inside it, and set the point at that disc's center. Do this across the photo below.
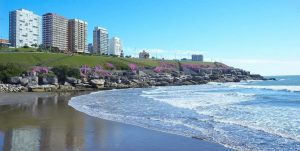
(115, 46)
(100, 40)
(24, 28)
(77, 36)
(55, 31)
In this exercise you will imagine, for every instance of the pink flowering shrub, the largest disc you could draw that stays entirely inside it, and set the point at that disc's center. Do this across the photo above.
(85, 71)
(164, 67)
(110, 65)
(133, 67)
(194, 67)
(158, 69)
(96, 72)
(167, 65)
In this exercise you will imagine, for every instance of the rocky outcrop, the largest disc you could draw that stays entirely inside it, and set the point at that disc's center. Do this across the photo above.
(12, 88)
(14, 80)
(128, 79)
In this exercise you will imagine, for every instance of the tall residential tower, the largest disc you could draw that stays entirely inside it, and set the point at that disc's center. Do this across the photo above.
(24, 28)
(100, 40)
(115, 46)
(77, 36)
(55, 31)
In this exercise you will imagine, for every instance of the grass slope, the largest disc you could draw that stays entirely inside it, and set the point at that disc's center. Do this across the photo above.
(54, 59)
(18, 49)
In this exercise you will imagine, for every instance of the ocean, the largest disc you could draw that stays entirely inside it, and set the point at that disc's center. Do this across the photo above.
(250, 115)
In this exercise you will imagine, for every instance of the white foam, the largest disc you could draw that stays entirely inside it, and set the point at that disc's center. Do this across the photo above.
(254, 81)
(275, 88)
(201, 99)
(268, 129)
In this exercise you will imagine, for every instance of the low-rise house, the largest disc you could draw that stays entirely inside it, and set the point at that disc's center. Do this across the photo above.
(4, 43)
(144, 55)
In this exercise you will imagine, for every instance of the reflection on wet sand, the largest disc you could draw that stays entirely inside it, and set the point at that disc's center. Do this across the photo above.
(45, 123)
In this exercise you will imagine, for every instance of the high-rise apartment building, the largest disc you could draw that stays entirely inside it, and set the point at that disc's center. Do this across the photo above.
(77, 36)
(24, 28)
(90, 48)
(100, 40)
(115, 46)
(55, 31)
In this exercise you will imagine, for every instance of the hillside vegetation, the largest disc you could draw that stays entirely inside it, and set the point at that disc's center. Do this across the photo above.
(55, 59)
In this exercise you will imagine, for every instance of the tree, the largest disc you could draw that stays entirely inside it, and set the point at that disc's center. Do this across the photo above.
(34, 45)
(10, 70)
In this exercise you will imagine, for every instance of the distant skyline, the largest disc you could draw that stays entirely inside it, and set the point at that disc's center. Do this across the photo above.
(260, 36)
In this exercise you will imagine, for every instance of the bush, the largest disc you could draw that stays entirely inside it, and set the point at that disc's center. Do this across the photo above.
(34, 45)
(47, 75)
(10, 70)
(73, 72)
(25, 46)
(64, 71)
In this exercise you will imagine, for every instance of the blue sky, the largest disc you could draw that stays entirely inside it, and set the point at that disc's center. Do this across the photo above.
(262, 36)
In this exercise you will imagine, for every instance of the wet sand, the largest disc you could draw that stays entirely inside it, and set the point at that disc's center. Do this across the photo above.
(44, 121)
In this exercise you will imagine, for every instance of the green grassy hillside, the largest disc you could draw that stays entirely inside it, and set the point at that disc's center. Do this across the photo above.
(54, 59)
(18, 49)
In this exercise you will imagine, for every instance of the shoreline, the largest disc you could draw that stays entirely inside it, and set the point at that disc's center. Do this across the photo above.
(151, 129)
(133, 137)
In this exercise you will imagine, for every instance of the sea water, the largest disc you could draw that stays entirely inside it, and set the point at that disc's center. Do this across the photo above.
(250, 115)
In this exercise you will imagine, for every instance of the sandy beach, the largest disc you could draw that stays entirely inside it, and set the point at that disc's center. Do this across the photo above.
(44, 121)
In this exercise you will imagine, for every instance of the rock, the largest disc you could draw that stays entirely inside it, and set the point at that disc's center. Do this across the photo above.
(11, 88)
(98, 83)
(67, 83)
(136, 81)
(186, 83)
(66, 88)
(236, 80)
(162, 83)
(197, 78)
(214, 77)
(24, 81)
(114, 85)
(85, 81)
(122, 86)
(50, 80)
(42, 88)
(33, 80)
(14, 80)
(83, 86)
(271, 79)
(73, 81)
(256, 77)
